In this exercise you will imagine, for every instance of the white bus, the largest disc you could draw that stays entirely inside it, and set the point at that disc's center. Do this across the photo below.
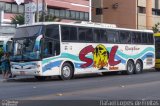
(67, 49)
(6, 33)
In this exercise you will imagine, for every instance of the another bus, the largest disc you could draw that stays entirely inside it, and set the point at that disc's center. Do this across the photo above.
(157, 47)
(6, 33)
(67, 49)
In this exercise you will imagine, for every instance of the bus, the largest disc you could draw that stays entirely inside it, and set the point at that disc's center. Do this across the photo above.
(68, 49)
(157, 50)
(6, 33)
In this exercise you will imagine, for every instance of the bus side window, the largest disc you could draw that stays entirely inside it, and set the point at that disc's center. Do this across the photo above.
(97, 35)
(73, 33)
(65, 33)
(52, 31)
(82, 34)
(124, 37)
(112, 36)
(136, 38)
(48, 48)
(103, 35)
(150, 38)
(144, 38)
(89, 35)
(56, 48)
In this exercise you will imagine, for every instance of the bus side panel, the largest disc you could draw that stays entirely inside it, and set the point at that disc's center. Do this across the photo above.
(94, 58)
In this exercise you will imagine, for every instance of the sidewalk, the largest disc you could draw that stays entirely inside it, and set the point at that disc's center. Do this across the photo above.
(16, 78)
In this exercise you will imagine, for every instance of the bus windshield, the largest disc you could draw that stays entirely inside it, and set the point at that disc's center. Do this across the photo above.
(28, 31)
(24, 44)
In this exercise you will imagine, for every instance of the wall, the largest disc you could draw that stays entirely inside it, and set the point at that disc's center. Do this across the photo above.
(125, 15)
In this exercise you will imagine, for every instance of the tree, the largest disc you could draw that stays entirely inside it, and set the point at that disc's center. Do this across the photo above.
(155, 28)
(18, 19)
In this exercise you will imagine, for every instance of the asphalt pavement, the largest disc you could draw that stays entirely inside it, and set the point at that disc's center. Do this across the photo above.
(115, 86)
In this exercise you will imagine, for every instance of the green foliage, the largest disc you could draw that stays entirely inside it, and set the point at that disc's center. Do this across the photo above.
(18, 19)
(155, 28)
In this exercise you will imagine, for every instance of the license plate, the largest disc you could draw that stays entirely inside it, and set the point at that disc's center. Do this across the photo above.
(22, 73)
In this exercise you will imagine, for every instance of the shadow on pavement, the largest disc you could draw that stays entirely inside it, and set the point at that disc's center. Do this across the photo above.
(76, 77)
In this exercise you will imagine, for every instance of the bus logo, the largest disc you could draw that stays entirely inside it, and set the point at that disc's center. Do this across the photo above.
(100, 56)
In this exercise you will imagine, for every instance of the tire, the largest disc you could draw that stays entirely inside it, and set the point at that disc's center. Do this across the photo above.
(66, 71)
(130, 67)
(138, 67)
(40, 78)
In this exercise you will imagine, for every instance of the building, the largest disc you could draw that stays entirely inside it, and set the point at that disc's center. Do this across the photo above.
(137, 14)
(67, 10)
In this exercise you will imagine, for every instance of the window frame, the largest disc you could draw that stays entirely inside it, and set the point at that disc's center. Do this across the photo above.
(129, 32)
(69, 26)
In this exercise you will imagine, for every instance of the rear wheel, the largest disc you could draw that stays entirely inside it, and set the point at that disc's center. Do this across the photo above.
(66, 71)
(130, 67)
(139, 67)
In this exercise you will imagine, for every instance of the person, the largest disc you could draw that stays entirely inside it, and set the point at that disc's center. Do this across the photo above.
(5, 66)
(9, 72)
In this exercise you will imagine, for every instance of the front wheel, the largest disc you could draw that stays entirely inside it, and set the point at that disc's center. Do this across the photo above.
(130, 67)
(66, 71)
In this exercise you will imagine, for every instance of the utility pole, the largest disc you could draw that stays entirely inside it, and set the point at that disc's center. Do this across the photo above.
(1, 16)
(43, 10)
(37, 11)
(90, 10)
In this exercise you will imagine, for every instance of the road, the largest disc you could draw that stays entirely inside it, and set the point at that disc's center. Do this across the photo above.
(145, 86)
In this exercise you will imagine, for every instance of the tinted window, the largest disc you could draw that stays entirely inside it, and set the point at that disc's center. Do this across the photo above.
(97, 35)
(89, 34)
(124, 37)
(73, 33)
(82, 34)
(48, 46)
(144, 38)
(112, 36)
(52, 31)
(136, 37)
(65, 32)
(103, 35)
(150, 38)
(69, 33)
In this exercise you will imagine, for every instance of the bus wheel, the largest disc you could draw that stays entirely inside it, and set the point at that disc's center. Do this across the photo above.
(130, 67)
(66, 71)
(40, 78)
(139, 67)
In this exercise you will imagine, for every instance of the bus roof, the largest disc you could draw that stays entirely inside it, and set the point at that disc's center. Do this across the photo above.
(88, 24)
